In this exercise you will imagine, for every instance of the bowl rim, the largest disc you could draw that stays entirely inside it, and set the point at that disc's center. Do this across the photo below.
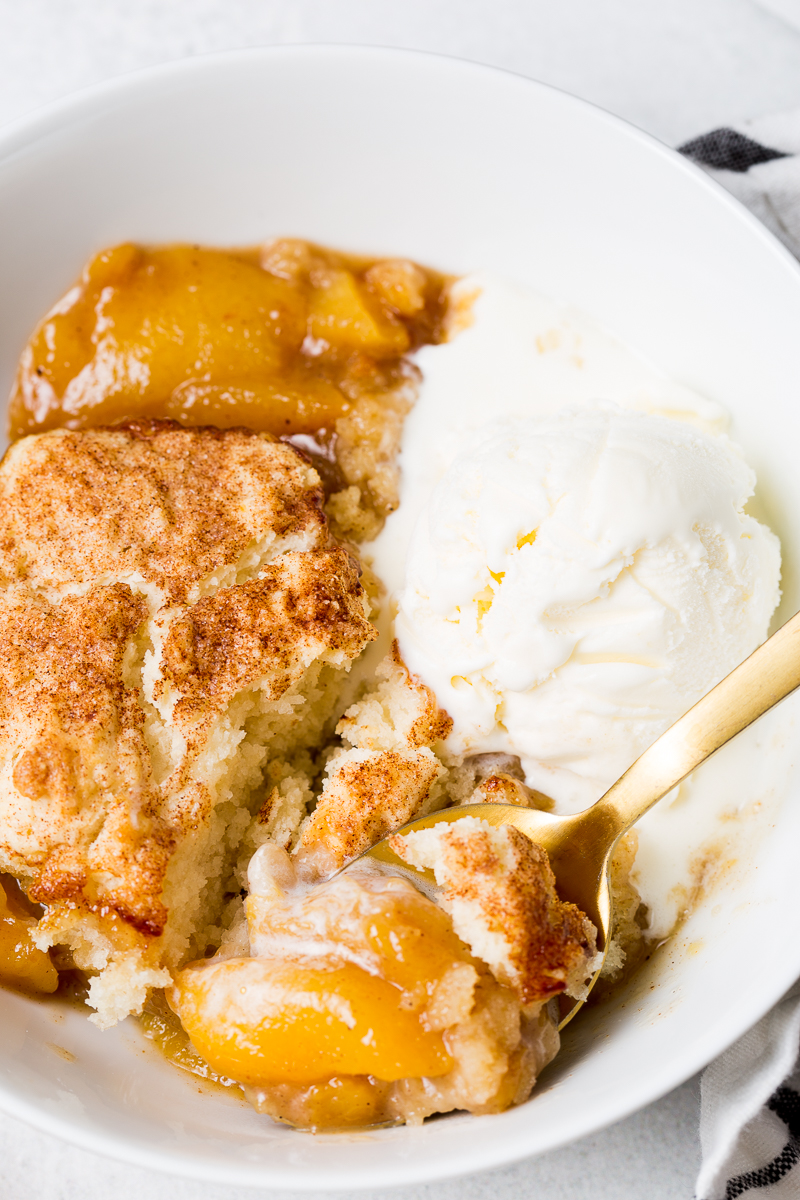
(18, 134)
(18, 137)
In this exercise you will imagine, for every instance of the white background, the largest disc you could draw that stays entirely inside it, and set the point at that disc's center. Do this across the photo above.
(674, 67)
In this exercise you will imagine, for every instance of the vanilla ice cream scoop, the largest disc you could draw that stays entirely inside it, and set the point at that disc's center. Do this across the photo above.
(578, 581)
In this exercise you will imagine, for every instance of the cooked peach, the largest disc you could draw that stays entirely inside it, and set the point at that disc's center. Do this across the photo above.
(141, 323)
(286, 338)
(341, 314)
(22, 964)
(264, 1021)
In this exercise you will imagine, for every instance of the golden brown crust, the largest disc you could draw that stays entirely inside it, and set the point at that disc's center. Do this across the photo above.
(106, 536)
(266, 631)
(502, 789)
(433, 724)
(501, 884)
(367, 796)
(149, 499)
(75, 760)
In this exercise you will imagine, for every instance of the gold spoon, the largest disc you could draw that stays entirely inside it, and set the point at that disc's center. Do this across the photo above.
(580, 846)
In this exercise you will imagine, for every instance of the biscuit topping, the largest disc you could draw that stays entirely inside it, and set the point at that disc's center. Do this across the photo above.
(171, 610)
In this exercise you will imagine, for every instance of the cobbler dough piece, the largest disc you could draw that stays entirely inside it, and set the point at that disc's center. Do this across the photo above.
(387, 775)
(504, 789)
(302, 608)
(399, 713)
(76, 791)
(172, 616)
(367, 794)
(500, 891)
(182, 510)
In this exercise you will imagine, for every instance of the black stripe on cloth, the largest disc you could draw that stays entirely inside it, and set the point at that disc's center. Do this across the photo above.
(729, 151)
(785, 1103)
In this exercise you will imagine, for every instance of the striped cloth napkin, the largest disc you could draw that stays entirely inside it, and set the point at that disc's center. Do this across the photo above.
(760, 164)
(750, 1097)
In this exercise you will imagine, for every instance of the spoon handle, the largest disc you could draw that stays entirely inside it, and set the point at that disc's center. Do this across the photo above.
(755, 686)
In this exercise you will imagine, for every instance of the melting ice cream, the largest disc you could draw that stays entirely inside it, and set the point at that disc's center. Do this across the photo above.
(577, 582)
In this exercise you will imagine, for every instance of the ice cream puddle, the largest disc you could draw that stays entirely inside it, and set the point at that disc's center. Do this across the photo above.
(214, 431)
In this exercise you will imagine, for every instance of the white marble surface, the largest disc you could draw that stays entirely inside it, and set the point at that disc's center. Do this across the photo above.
(651, 1156)
(674, 68)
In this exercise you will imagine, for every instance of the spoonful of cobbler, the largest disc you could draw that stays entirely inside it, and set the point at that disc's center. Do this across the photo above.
(421, 977)
(579, 847)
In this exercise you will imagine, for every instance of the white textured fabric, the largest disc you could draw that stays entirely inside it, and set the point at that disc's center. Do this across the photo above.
(744, 1141)
(770, 188)
(750, 1097)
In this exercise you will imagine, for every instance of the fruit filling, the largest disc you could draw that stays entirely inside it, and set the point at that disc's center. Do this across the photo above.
(288, 339)
(366, 998)
(361, 1004)
(22, 963)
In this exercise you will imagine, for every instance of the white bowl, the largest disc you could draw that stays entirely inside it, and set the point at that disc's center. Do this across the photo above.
(460, 167)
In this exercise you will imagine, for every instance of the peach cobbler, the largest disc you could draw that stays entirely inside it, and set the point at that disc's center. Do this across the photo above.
(201, 436)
